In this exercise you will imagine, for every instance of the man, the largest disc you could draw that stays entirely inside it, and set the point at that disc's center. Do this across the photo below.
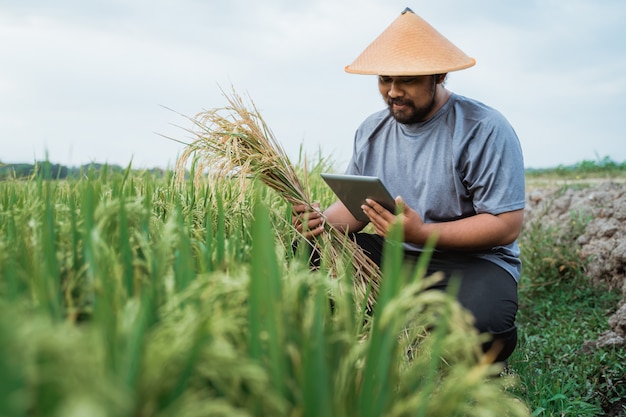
(456, 166)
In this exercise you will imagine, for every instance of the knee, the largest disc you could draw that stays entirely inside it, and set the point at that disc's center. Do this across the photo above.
(499, 324)
(502, 344)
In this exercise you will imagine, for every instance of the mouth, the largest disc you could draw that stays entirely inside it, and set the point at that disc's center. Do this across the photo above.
(398, 105)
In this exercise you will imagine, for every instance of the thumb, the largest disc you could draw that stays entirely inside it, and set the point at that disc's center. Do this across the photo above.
(401, 205)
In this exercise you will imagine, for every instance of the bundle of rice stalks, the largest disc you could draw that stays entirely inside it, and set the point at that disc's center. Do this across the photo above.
(235, 141)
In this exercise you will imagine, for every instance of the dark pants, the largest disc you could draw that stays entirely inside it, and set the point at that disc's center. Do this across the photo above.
(486, 290)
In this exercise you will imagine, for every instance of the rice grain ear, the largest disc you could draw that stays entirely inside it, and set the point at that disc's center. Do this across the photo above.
(235, 141)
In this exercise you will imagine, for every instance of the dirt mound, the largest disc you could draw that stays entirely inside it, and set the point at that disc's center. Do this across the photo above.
(602, 208)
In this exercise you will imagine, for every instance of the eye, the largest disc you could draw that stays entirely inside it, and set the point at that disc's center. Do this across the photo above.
(384, 79)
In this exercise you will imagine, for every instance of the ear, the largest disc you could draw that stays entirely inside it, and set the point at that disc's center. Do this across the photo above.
(441, 78)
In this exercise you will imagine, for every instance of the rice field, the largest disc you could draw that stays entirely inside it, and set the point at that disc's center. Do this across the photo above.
(135, 294)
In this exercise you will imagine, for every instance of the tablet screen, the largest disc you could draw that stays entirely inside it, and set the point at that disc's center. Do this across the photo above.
(352, 190)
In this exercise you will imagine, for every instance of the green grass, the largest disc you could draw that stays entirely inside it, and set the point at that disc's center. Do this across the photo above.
(559, 311)
(558, 376)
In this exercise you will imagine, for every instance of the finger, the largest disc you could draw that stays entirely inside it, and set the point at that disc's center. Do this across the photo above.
(313, 233)
(380, 230)
(314, 228)
(378, 208)
(312, 219)
(369, 212)
(305, 216)
(402, 206)
(313, 223)
(374, 205)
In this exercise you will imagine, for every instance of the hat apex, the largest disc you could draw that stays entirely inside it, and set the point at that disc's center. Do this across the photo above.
(410, 46)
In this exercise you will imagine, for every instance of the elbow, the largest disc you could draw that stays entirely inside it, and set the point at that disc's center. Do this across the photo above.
(512, 222)
(510, 237)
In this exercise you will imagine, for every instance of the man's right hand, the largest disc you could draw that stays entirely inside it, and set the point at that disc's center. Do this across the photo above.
(309, 223)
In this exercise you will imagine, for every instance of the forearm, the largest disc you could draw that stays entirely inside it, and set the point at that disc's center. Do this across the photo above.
(479, 232)
(338, 216)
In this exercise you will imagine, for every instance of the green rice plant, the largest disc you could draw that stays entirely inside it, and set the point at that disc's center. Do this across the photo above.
(12, 381)
(121, 294)
(154, 322)
(49, 294)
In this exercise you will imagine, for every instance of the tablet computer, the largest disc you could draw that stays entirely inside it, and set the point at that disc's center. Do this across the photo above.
(352, 190)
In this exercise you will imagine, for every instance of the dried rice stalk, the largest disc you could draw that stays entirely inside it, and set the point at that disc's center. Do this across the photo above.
(234, 139)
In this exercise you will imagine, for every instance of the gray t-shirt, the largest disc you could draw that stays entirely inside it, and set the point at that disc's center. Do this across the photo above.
(463, 161)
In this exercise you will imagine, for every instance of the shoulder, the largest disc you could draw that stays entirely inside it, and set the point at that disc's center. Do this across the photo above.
(374, 120)
(478, 126)
(372, 127)
(476, 111)
(483, 135)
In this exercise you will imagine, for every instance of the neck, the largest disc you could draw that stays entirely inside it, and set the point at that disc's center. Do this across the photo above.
(441, 97)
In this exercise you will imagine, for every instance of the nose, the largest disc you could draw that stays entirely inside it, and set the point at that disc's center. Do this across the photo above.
(394, 90)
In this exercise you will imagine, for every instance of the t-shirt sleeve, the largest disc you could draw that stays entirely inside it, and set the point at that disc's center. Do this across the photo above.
(493, 168)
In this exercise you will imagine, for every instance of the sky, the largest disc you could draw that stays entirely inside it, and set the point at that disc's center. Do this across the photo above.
(109, 80)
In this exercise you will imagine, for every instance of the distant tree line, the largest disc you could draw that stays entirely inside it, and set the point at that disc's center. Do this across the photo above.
(600, 166)
(49, 170)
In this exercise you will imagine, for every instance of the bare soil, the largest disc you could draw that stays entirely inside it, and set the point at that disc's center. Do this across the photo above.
(602, 205)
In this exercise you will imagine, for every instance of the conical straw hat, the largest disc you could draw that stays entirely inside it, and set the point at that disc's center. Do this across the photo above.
(410, 46)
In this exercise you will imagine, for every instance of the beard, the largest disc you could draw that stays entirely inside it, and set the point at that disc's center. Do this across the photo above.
(411, 113)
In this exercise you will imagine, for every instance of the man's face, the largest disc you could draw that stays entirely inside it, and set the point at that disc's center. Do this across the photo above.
(410, 99)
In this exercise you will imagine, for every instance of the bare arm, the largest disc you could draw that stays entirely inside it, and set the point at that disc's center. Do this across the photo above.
(479, 232)
(338, 215)
(482, 231)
